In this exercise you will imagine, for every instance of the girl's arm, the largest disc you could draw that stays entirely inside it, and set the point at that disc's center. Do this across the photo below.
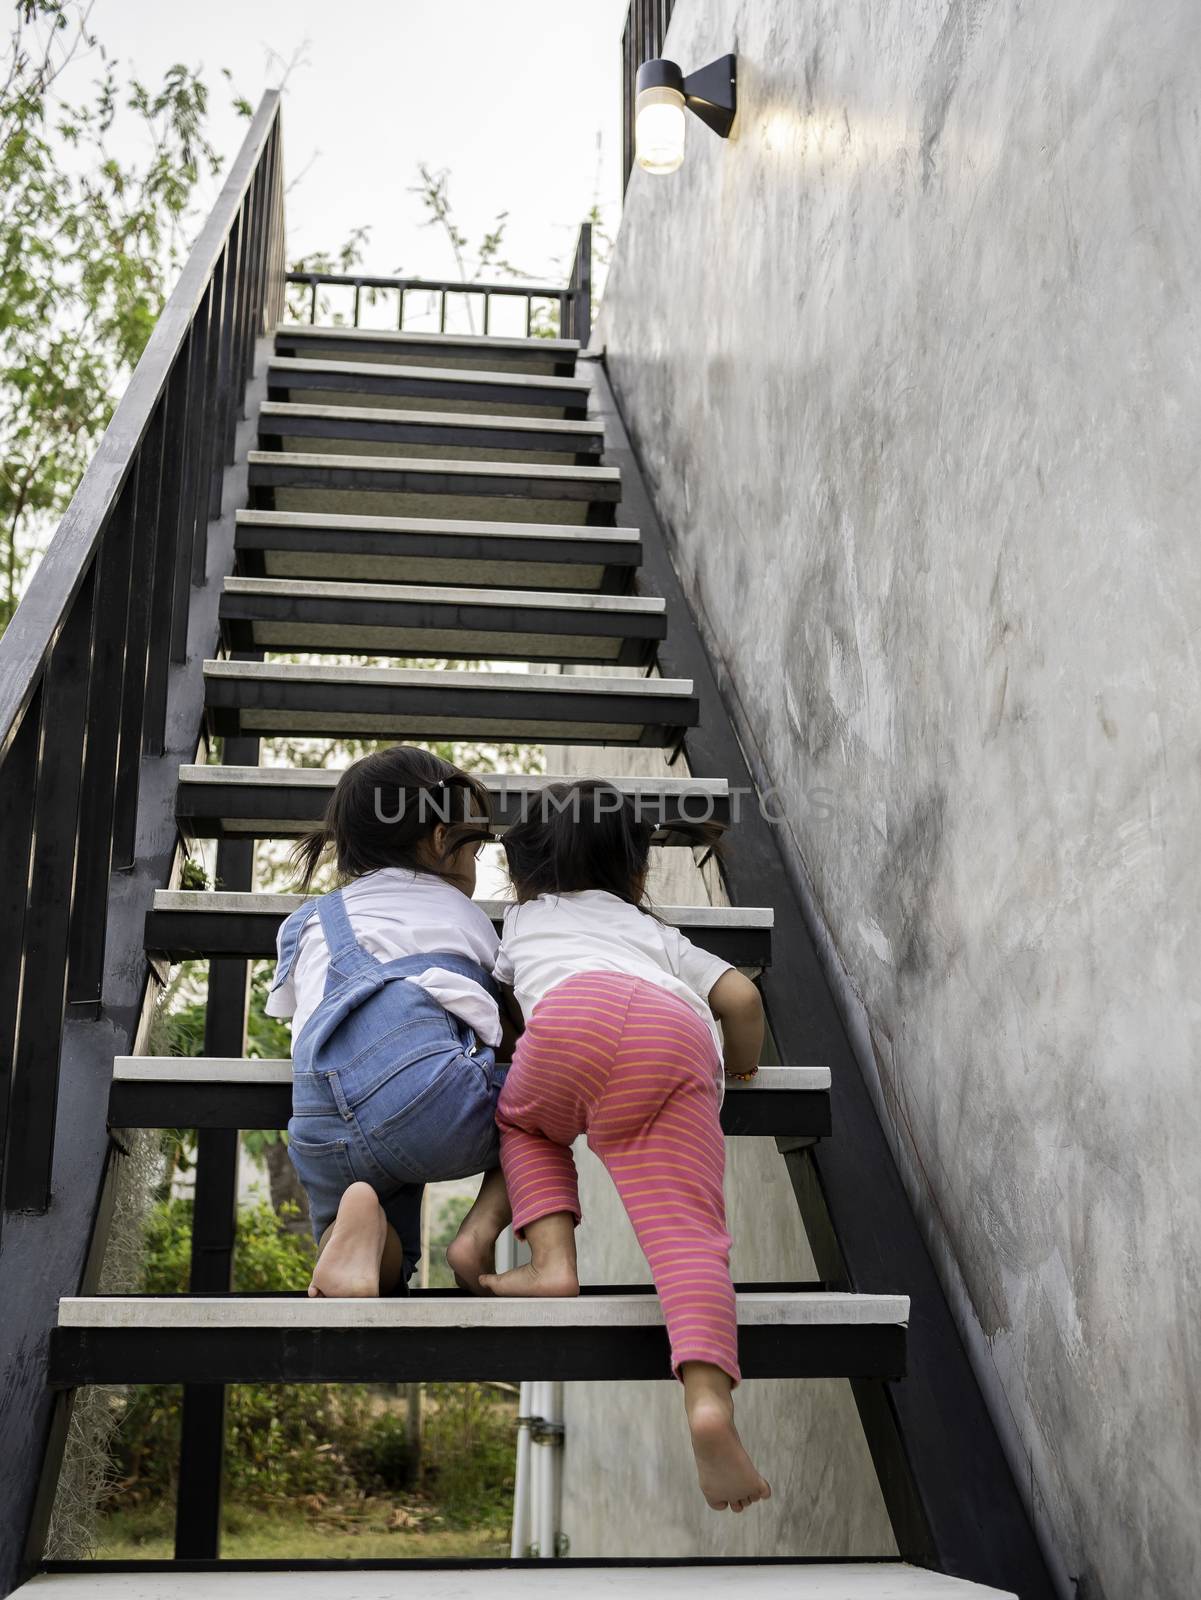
(734, 1001)
(511, 1023)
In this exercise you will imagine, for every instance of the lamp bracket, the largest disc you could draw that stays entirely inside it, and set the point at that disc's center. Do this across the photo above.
(711, 93)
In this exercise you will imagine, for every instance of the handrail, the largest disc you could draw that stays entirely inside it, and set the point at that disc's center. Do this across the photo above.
(43, 608)
(573, 298)
(86, 660)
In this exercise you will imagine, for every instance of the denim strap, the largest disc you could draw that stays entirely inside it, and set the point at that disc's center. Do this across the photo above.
(345, 951)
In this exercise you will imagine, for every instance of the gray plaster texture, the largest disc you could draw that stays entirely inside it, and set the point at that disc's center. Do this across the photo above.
(913, 362)
(629, 1483)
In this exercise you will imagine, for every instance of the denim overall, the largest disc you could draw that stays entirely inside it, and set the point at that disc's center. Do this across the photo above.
(388, 1088)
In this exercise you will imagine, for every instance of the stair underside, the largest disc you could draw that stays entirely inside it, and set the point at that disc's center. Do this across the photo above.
(779, 1579)
(204, 1092)
(269, 699)
(307, 615)
(193, 923)
(441, 1336)
(282, 802)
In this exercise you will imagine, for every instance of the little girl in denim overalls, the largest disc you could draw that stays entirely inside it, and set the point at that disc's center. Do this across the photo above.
(396, 1024)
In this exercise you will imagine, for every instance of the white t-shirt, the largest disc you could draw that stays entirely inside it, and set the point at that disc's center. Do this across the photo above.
(394, 913)
(556, 936)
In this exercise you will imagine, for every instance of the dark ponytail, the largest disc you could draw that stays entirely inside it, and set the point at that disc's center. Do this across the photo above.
(588, 835)
(385, 806)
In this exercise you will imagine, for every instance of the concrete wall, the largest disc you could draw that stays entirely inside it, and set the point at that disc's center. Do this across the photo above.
(914, 365)
(629, 1482)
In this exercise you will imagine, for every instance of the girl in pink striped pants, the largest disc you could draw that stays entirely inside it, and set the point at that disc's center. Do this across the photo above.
(620, 1045)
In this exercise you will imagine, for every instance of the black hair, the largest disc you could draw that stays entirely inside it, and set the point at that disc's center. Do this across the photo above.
(588, 835)
(386, 805)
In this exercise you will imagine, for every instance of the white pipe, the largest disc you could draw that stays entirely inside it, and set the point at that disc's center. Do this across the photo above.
(552, 1482)
(520, 1541)
(538, 1515)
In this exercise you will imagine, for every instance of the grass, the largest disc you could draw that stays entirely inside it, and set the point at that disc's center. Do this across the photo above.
(369, 1529)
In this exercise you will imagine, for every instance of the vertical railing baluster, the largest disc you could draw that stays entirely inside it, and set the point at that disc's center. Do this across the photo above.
(529, 310)
(400, 320)
(213, 401)
(358, 291)
(194, 494)
(442, 316)
(85, 967)
(227, 361)
(246, 281)
(313, 303)
(33, 1104)
(487, 311)
(171, 531)
(148, 469)
(173, 500)
(18, 775)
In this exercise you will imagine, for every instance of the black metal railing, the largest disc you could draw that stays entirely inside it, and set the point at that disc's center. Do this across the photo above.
(85, 661)
(571, 303)
(641, 40)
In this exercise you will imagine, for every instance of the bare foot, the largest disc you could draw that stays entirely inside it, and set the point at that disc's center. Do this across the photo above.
(348, 1265)
(728, 1475)
(555, 1277)
(473, 1249)
(470, 1254)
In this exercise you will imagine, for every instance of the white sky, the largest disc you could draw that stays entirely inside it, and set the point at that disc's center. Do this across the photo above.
(510, 95)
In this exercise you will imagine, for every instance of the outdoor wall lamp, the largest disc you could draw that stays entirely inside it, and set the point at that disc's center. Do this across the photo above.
(661, 93)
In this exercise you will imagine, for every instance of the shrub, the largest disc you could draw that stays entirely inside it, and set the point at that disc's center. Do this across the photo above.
(382, 1458)
(469, 1452)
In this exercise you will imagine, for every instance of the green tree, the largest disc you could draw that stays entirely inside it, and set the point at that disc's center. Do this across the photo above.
(89, 242)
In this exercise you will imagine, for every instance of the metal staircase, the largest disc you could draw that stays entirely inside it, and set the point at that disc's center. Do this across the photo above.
(273, 489)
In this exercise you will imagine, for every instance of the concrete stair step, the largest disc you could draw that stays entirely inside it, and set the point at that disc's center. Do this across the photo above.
(802, 1579)
(275, 699)
(288, 422)
(279, 479)
(332, 545)
(187, 924)
(304, 615)
(785, 1331)
(527, 394)
(204, 1092)
(283, 802)
(549, 357)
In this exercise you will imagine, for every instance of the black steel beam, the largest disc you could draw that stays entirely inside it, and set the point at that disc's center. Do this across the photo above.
(250, 935)
(522, 716)
(141, 1103)
(282, 810)
(451, 1355)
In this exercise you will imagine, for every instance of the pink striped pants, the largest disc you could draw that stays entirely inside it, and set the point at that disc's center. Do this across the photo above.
(635, 1069)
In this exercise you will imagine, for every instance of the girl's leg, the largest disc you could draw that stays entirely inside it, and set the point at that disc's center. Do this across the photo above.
(658, 1131)
(473, 1249)
(728, 1476)
(359, 1255)
(541, 1180)
(539, 1114)
(552, 1269)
